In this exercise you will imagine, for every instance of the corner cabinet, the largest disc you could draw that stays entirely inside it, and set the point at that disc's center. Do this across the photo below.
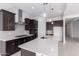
(7, 20)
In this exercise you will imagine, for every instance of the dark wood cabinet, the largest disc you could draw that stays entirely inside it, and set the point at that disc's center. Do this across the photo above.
(49, 26)
(27, 53)
(23, 40)
(7, 20)
(58, 23)
(27, 21)
(31, 25)
(33, 31)
(20, 41)
(11, 46)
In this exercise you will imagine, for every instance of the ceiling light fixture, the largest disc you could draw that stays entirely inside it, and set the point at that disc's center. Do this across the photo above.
(45, 5)
(44, 14)
(51, 14)
(33, 7)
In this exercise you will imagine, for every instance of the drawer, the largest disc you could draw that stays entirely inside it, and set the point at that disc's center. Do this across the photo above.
(11, 42)
(24, 40)
(21, 40)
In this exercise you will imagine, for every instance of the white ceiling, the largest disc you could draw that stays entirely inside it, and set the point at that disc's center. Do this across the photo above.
(38, 8)
(72, 12)
(72, 9)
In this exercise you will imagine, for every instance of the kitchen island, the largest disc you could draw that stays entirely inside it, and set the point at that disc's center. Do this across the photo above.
(40, 47)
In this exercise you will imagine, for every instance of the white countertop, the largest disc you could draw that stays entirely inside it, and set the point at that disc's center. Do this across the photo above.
(10, 35)
(48, 47)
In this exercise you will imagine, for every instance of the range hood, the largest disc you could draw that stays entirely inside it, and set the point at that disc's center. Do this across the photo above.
(20, 16)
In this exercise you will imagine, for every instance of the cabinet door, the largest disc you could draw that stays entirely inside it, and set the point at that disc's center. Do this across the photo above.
(11, 47)
(20, 41)
(11, 21)
(27, 53)
(32, 24)
(8, 21)
(27, 21)
(28, 39)
(58, 23)
(33, 31)
(26, 27)
(5, 20)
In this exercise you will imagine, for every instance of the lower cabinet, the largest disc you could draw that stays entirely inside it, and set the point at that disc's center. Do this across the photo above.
(7, 48)
(20, 41)
(27, 53)
(11, 47)
(23, 40)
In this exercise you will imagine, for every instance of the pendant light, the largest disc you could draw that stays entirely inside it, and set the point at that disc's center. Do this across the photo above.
(45, 6)
(51, 15)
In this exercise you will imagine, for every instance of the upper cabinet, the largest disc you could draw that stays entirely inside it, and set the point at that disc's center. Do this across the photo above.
(58, 23)
(7, 20)
(49, 26)
(31, 25)
(27, 22)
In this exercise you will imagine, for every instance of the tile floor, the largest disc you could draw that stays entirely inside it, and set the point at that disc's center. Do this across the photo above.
(17, 54)
(71, 48)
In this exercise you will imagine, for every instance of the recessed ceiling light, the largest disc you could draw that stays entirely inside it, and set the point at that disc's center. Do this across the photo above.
(44, 14)
(33, 7)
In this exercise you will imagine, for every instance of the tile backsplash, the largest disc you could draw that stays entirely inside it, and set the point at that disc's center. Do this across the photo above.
(19, 30)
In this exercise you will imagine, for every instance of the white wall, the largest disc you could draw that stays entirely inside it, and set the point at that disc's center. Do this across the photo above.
(69, 29)
(72, 9)
(73, 29)
(19, 30)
